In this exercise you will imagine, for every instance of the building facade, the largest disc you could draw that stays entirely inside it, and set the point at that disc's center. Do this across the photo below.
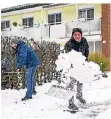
(55, 22)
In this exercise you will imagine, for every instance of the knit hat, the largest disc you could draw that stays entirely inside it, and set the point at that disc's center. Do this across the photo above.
(76, 30)
(15, 41)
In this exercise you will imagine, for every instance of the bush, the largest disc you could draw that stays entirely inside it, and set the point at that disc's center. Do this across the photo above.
(46, 51)
(100, 60)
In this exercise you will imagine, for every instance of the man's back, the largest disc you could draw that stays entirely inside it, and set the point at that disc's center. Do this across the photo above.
(25, 55)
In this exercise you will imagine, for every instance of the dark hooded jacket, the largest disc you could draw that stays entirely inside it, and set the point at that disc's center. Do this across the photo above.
(82, 46)
(25, 56)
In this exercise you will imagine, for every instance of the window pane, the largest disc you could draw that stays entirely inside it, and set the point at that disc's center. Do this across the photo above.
(7, 24)
(58, 17)
(91, 46)
(30, 22)
(82, 14)
(98, 46)
(2, 25)
(24, 22)
(51, 19)
(90, 14)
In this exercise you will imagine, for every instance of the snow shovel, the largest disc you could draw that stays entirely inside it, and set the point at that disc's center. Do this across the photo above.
(62, 92)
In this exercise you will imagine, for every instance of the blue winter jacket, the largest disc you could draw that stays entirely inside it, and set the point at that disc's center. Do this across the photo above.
(25, 56)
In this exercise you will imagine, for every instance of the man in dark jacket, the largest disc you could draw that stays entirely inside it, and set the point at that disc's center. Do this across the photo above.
(26, 57)
(79, 44)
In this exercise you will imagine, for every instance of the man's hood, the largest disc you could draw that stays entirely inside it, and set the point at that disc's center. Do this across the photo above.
(20, 43)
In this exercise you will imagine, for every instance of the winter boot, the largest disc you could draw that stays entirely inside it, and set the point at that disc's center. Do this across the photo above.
(79, 94)
(34, 92)
(26, 98)
(72, 106)
(104, 75)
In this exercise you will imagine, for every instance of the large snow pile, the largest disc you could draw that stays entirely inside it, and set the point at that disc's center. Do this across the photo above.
(73, 64)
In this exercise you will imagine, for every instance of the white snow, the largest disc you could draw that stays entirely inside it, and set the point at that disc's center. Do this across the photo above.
(105, 115)
(96, 92)
(43, 106)
(81, 70)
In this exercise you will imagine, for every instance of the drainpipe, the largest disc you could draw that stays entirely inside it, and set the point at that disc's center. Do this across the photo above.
(77, 14)
(94, 47)
(41, 26)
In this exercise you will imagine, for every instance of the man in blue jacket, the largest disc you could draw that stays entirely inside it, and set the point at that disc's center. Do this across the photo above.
(26, 57)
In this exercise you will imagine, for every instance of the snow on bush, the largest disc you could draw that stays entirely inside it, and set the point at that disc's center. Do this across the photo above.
(73, 64)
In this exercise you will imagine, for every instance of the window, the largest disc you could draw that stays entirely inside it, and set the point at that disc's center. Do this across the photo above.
(88, 14)
(5, 24)
(98, 46)
(95, 46)
(58, 18)
(27, 22)
(51, 19)
(91, 46)
(54, 18)
(82, 14)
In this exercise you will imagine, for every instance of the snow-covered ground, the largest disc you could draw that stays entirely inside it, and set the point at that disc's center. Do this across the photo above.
(42, 106)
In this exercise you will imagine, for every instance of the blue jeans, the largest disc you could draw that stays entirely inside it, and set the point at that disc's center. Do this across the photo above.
(30, 82)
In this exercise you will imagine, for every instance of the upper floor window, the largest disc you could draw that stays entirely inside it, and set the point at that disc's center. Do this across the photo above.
(54, 18)
(5, 24)
(88, 14)
(27, 22)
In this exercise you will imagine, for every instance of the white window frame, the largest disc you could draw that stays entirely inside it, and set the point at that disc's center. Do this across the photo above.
(55, 23)
(86, 9)
(4, 21)
(27, 21)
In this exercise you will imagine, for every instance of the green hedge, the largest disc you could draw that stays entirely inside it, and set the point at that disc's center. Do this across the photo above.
(101, 60)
